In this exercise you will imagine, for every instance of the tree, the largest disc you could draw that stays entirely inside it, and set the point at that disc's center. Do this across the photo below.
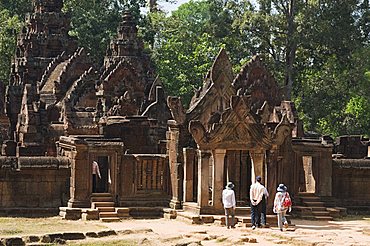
(94, 23)
(189, 39)
(9, 26)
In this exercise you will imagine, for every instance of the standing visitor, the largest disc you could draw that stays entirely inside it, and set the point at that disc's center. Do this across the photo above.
(282, 203)
(264, 205)
(95, 175)
(256, 195)
(228, 200)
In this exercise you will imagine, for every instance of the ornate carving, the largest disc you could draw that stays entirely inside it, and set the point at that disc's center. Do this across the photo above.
(215, 93)
(240, 128)
(177, 110)
(254, 80)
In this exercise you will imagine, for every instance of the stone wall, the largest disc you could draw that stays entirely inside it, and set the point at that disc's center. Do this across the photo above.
(351, 182)
(33, 182)
(313, 166)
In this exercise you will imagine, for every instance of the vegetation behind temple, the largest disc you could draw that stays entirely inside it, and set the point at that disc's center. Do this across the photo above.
(318, 50)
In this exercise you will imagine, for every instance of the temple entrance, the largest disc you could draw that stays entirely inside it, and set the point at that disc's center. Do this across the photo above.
(310, 182)
(238, 169)
(103, 184)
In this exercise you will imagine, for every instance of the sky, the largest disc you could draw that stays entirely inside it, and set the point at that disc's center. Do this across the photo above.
(170, 7)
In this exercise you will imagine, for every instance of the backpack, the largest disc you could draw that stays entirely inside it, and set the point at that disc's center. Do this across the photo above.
(286, 201)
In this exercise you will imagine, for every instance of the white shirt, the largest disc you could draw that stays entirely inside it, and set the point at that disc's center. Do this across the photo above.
(95, 168)
(256, 193)
(228, 198)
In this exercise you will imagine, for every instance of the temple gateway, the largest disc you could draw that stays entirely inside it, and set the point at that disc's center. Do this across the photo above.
(157, 156)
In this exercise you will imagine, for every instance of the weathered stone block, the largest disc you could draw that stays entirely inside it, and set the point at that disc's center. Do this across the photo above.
(90, 214)
(91, 234)
(31, 239)
(106, 233)
(13, 241)
(73, 236)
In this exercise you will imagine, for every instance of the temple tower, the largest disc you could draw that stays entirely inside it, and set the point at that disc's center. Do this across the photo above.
(127, 73)
(43, 38)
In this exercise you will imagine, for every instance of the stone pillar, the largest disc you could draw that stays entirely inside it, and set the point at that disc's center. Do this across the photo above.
(203, 177)
(218, 177)
(258, 157)
(189, 155)
(80, 184)
(175, 163)
(271, 178)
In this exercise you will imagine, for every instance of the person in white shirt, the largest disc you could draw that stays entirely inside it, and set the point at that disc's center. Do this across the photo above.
(228, 200)
(95, 175)
(257, 194)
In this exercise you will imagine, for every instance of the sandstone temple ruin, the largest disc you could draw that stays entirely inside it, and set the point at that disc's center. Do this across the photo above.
(60, 112)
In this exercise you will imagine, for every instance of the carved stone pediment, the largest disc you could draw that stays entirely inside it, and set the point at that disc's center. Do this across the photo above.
(215, 93)
(240, 128)
(255, 80)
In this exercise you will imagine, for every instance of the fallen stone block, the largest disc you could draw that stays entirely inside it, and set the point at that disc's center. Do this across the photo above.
(252, 240)
(31, 239)
(91, 234)
(13, 241)
(106, 233)
(73, 236)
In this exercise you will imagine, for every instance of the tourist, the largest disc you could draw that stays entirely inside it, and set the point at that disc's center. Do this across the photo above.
(257, 193)
(263, 210)
(95, 175)
(228, 200)
(282, 203)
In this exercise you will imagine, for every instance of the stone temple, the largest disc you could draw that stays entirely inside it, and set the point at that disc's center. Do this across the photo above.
(157, 157)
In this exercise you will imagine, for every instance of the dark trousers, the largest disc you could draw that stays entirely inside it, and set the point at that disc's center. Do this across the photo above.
(94, 178)
(263, 211)
(256, 214)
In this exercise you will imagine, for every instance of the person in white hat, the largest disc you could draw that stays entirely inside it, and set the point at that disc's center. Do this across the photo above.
(282, 204)
(228, 200)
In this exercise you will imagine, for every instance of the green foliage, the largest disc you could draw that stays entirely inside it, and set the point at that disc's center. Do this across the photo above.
(9, 26)
(16, 7)
(94, 23)
(188, 41)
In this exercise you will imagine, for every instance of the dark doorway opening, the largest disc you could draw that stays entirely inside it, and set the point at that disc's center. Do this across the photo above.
(103, 183)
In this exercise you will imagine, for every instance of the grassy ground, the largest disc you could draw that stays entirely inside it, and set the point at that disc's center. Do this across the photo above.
(10, 226)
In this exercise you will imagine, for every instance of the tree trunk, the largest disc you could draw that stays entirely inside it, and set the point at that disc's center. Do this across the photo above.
(290, 48)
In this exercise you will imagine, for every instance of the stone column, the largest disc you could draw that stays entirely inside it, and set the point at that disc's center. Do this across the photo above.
(218, 177)
(203, 177)
(271, 179)
(80, 185)
(258, 157)
(175, 164)
(189, 155)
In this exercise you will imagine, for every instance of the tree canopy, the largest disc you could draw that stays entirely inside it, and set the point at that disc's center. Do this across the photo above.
(319, 51)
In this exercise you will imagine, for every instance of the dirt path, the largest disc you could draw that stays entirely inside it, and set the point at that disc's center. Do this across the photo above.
(173, 232)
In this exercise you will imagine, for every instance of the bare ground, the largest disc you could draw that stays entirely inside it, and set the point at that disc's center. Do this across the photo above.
(350, 231)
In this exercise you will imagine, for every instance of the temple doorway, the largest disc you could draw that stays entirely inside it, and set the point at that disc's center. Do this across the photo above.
(238, 169)
(310, 182)
(103, 184)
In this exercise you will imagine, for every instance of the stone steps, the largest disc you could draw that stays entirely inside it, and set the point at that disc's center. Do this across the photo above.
(106, 209)
(104, 203)
(242, 211)
(310, 206)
